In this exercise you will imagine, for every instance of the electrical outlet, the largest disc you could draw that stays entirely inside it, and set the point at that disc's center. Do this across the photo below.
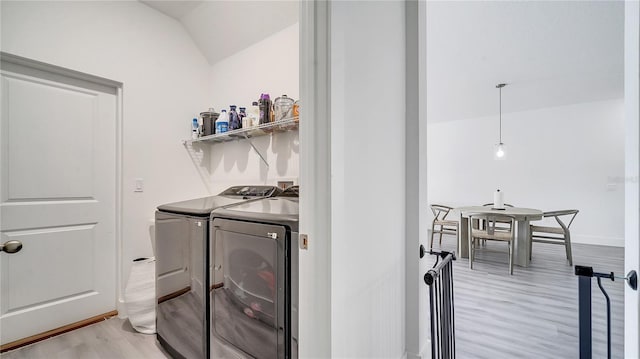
(285, 184)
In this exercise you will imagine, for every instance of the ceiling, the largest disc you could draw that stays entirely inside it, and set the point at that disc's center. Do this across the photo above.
(223, 28)
(550, 53)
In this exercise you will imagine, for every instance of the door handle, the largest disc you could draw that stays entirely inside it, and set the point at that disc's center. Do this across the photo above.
(11, 247)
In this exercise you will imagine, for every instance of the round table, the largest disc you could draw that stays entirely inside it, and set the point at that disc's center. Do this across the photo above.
(522, 217)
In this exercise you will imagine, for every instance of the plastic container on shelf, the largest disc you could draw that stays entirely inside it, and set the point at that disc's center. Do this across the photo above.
(242, 115)
(296, 110)
(254, 114)
(209, 121)
(222, 123)
(282, 108)
(195, 129)
(265, 108)
(234, 119)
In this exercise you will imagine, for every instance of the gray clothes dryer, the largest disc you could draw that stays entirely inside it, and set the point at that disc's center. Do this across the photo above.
(254, 252)
(182, 269)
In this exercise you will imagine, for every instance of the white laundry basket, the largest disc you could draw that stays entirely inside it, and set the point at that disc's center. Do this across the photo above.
(140, 295)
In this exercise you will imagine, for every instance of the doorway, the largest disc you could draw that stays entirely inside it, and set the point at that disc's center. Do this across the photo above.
(463, 128)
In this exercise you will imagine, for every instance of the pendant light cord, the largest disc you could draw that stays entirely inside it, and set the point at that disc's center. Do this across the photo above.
(500, 86)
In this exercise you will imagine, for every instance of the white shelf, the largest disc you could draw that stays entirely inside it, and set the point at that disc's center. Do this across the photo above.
(288, 124)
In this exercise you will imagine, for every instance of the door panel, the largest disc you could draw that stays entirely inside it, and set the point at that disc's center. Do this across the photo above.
(55, 247)
(42, 131)
(57, 196)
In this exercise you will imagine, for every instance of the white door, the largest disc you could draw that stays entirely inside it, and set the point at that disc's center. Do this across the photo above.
(57, 197)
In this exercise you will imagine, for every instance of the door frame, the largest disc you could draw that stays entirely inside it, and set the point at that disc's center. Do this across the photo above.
(314, 311)
(632, 185)
(118, 86)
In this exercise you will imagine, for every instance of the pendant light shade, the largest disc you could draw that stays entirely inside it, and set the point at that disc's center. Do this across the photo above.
(500, 150)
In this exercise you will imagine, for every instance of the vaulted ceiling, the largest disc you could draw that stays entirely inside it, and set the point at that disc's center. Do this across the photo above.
(550, 53)
(222, 28)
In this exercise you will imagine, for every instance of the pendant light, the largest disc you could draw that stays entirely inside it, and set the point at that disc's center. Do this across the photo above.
(500, 151)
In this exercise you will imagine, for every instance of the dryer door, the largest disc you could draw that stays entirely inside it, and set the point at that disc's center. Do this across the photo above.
(248, 286)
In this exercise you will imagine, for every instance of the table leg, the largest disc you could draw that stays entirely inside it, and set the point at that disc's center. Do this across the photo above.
(522, 244)
(463, 238)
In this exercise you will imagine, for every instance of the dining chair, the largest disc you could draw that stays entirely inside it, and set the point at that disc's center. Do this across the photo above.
(440, 220)
(503, 223)
(554, 235)
(491, 232)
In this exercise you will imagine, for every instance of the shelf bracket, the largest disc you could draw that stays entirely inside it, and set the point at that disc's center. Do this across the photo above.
(255, 149)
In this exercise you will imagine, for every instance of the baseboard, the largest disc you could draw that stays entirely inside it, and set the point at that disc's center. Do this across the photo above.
(597, 240)
(52, 333)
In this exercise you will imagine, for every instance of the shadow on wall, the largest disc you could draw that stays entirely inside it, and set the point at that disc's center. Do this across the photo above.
(284, 147)
(201, 156)
(238, 159)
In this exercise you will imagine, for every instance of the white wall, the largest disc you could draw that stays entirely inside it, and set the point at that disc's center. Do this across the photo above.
(367, 162)
(558, 158)
(164, 77)
(269, 66)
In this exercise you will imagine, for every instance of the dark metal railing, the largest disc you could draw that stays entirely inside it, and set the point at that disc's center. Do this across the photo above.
(440, 281)
(584, 305)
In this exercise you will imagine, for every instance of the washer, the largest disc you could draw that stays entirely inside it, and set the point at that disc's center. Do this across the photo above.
(255, 276)
(182, 269)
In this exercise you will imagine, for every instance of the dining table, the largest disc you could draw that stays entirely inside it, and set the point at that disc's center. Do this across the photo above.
(522, 216)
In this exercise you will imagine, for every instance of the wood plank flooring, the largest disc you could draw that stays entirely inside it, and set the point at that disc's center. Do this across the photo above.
(109, 339)
(532, 314)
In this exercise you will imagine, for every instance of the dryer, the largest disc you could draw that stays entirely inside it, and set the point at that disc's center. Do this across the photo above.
(254, 252)
(182, 269)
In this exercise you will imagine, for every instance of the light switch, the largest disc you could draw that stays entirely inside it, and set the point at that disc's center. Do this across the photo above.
(139, 185)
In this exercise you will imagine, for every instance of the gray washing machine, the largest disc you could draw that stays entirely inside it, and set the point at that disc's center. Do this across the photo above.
(254, 251)
(183, 269)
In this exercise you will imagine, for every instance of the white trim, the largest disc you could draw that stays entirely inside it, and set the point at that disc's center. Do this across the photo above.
(122, 313)
(632, 187)
(315, 180)
(415, 174)
(50, 68)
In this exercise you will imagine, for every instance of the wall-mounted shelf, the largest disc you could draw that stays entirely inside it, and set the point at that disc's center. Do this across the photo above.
(288, 124)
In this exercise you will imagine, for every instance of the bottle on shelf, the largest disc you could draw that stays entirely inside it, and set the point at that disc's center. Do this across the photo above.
(195, 129)
(242, 115)
(265, 108)
(296, 111)
(222, 123)
(254, 114)
(234, 120)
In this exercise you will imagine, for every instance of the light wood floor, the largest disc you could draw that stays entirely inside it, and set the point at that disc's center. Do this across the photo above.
(532, 314)
(110, 339)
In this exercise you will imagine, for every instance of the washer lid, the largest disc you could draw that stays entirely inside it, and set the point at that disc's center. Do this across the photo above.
(276, 210)
(202, 207)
